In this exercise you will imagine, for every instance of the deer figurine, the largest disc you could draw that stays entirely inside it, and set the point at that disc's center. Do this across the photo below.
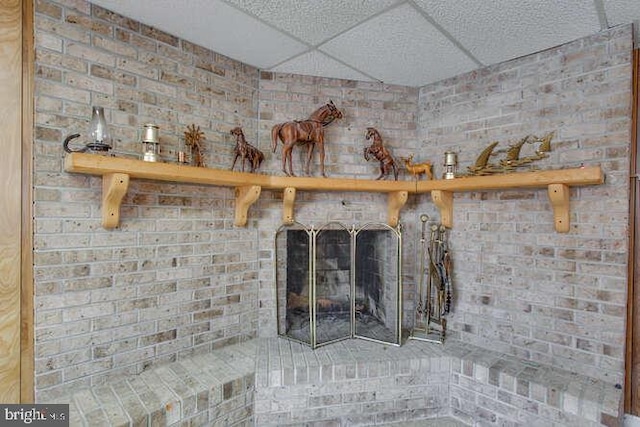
(417, 169)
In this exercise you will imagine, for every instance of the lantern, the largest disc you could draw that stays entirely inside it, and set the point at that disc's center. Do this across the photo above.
(450, 164)
(99, 137)
(150, 143)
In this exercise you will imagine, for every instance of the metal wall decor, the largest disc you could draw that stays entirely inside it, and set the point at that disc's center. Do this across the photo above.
(335, 283)
(512, 159)
(435, 289)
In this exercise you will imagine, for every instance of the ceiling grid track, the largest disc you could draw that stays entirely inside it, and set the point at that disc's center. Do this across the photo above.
(446, 34)
(399, 42)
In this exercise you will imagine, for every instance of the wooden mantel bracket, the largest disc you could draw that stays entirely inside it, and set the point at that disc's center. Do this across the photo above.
(444, 202)
(245, 197)
(396, 201)
(288, 199)
(114, 187)
(559, 198)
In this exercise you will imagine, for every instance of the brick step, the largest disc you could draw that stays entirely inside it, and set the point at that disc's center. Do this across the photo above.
(277, 382)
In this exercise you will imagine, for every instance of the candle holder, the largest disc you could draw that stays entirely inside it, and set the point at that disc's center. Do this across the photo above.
(99, 136)
(181, 154)
(450, 165)
(150, 143)
(182, 158)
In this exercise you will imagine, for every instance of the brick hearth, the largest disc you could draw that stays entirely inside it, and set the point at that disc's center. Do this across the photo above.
(276, 382)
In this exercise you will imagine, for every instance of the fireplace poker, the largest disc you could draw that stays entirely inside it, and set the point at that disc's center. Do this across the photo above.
(433, 276)
(447, 274)
(420, 309)
(442, 269)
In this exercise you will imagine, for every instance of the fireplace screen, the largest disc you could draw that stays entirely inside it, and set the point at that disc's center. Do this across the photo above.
(335, 283)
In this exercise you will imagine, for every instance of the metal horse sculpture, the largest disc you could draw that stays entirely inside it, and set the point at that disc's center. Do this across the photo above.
(299, 132)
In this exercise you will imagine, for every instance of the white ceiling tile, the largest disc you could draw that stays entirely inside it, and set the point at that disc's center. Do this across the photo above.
(215, 25)
(498, 30)
(622, 12)
(400, 47)
(313, 21)
(387, 40)
(315, 63)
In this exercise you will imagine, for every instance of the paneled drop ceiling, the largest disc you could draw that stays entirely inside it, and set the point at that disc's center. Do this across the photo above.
(402, 42)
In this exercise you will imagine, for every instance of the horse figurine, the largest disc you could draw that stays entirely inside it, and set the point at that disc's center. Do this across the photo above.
(246, 151)
(380, 153)
(417, 169)
(309, 131)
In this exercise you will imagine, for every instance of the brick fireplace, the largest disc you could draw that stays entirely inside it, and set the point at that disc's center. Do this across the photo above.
(176, 280)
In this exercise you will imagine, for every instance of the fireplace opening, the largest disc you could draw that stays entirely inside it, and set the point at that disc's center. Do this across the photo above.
(335, 283)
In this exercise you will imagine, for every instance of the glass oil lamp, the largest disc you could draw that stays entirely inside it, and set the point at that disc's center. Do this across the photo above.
(150, 143)
(99, 136)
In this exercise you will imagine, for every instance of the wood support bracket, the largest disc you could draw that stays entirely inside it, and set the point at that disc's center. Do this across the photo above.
(396, 201)
(288, 199)
(245, 197)
(114, 187)
(444, 202)
(559, 198)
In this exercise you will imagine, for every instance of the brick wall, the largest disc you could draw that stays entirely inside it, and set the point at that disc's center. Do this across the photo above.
(176, 278)
(521, 287)
(390, 109)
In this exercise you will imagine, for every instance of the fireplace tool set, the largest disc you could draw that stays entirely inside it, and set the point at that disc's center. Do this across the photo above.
(434, 289)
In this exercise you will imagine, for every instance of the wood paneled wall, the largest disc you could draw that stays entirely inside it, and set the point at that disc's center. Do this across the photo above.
(27, 370)
(632, 357)
(11, 198)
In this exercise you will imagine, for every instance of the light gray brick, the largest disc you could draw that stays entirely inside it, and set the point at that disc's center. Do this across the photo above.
(526, 287)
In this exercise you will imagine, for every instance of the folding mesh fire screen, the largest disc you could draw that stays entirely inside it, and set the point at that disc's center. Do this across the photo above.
(335, 283)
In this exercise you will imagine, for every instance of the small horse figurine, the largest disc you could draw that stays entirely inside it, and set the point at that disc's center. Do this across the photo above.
(417, 169)
(246, 151)
(380, 153)
(310, 132)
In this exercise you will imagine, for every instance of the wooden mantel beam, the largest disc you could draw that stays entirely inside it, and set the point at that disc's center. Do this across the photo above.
(117, 171)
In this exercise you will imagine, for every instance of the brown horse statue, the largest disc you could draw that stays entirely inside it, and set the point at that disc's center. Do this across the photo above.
(299, 132)
(245, 151)
(380, 153)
